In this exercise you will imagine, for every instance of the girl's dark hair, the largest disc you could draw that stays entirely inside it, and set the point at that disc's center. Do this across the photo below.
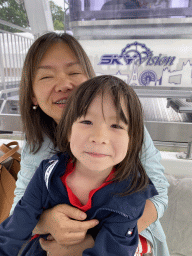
(36, 123)
(78, 105)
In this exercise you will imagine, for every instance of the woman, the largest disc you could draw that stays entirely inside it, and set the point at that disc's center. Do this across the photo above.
(54, 66)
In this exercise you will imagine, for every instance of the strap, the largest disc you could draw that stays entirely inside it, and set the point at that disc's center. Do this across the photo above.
(10, 152)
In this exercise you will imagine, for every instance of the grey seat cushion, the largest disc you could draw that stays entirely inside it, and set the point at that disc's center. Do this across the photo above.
(177, 220)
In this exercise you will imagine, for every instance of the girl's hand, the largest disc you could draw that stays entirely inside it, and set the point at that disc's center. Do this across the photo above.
(65, 223)
(54, 249)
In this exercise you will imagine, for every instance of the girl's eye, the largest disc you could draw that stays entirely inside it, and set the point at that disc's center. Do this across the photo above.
(116, 126)
(86, 122)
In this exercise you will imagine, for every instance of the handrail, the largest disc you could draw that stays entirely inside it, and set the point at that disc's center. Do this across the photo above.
(164, 93)
(13, 48)
(3, 22)
(8, 90)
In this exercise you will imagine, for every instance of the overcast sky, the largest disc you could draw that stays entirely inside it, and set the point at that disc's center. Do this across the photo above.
(59, 2)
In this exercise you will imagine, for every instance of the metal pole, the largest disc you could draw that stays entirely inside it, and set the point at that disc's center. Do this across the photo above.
(189, 150)
(65, 10)
(2, 65)
(64, 21)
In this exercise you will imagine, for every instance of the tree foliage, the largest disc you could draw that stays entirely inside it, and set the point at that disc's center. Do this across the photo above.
(14, 13)
(57, 16)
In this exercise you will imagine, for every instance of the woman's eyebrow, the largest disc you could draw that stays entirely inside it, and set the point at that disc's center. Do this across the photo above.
(45, 67)
(69, 64)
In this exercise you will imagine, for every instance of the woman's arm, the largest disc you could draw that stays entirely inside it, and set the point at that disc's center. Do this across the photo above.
(149, 216)
(29, 164)
(61, 250)
(155, 206)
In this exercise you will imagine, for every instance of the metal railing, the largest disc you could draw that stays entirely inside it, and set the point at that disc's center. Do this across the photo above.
(13, 49)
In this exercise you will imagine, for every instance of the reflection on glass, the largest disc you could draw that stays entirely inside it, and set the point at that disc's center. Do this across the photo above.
(127, 9)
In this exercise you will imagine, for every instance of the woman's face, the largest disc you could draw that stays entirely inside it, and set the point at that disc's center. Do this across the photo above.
(58, 73)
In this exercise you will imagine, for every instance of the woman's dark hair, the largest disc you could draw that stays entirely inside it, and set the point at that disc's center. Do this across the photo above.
(37, 123)
(78, 105)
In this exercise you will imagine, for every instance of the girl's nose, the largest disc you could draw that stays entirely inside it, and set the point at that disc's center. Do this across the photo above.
(63, 84)
(99, 135)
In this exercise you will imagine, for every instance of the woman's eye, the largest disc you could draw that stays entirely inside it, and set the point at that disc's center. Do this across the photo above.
(86, 122)
(116, 126)
(74, 73)
(46, 77)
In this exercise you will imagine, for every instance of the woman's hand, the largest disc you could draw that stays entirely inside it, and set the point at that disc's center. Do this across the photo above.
(54, 249)
(65, 223)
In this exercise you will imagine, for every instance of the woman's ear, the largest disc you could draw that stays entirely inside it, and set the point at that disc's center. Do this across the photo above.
(34, 100)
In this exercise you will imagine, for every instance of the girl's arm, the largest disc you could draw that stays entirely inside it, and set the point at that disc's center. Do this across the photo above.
(17, 228)
(68, 231)
(156, 205)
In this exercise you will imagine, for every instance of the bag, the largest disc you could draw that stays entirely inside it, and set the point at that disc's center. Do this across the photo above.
(9, 168)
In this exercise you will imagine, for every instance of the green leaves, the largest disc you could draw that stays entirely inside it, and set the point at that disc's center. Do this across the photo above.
(14, 13)
(57, 16)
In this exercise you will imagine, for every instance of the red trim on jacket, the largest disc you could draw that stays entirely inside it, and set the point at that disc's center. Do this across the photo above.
(73, 198)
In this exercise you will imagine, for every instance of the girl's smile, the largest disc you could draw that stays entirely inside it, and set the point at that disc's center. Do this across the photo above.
(93, 154)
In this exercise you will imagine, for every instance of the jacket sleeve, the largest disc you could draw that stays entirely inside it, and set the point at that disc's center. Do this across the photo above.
(29, 164)
(150, 159)
(118, 236)
(17, 228)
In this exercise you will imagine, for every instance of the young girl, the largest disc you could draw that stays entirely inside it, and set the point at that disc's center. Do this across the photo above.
(98, 170)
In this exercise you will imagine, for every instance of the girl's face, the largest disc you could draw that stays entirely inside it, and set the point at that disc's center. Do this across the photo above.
(58, 73)
(97, 141)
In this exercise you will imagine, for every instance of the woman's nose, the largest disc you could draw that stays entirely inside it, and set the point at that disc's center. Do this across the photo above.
(100, 135)
(63, 84)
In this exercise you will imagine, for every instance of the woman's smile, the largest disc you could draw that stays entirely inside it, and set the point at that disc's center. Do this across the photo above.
(61, 103)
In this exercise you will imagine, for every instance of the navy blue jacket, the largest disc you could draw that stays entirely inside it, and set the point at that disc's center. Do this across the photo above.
(116, 233)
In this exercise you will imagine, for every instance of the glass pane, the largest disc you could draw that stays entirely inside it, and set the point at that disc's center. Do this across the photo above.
(127, 9)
